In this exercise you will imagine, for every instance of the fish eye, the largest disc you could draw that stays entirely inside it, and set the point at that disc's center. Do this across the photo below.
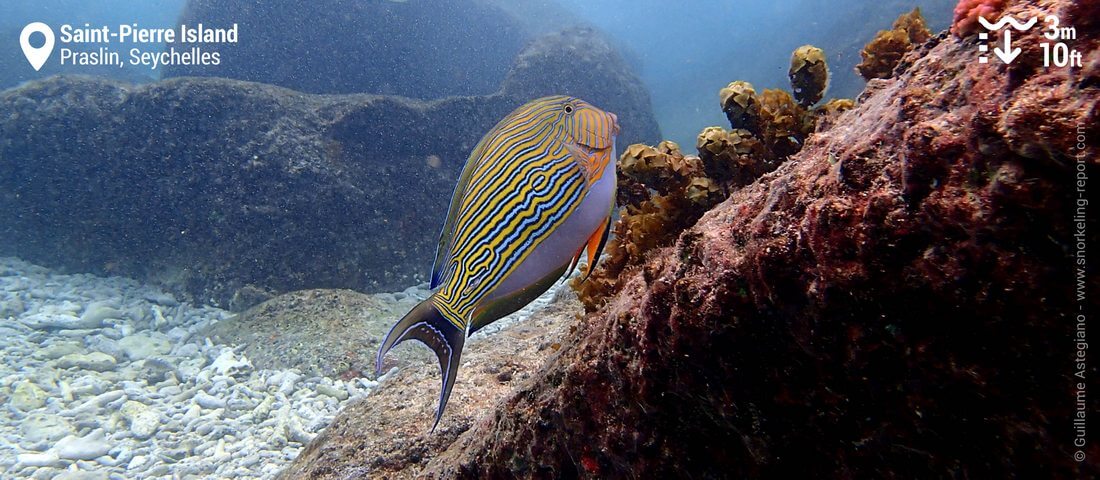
(568, 109)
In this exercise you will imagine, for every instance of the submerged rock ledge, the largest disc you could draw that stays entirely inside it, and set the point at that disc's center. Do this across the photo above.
(894, 301)
(230, 191)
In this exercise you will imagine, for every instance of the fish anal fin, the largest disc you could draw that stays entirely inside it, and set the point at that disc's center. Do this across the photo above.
(426, 324)
(493, 310)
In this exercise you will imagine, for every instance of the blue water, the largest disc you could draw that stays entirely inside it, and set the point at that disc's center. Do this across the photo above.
(691, 49)
(684, 51)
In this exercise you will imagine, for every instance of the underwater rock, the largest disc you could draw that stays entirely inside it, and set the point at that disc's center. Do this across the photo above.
(333, 333)
(88, 447)
(208, 186)
(809, 75)
(144, 345)
(44, 459)
(859, 312)
(43, 427)
(882, 55)
(27, 396)
(387, 434)
(581, 63)
(143, 420)
(828, 113)
(414, 49)
(95, 361)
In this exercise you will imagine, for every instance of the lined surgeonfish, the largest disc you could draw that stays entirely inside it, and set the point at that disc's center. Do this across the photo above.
(535, 195)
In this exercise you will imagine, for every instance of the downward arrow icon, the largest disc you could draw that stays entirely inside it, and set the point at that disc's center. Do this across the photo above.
(1008, 54)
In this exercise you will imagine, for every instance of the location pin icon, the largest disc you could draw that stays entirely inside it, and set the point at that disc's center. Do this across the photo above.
(37, 56)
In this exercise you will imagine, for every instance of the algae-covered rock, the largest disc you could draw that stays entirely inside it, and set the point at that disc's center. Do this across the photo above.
(143, 420)
(581, 62)
(27, 396)
(882, 55)
(783, 122)
(809, 75)
(95, 361)
(738, 100)
(211, 186)
(388, 433)
(826, 115)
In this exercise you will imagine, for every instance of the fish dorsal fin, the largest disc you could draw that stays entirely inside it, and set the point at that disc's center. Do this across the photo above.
(442, 256)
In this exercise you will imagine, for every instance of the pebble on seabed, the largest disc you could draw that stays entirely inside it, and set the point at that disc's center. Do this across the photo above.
(107, 378)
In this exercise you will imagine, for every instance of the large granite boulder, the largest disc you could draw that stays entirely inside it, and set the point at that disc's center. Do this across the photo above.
(581, 62)
(209, 186)
(894, 301)
(414, 49)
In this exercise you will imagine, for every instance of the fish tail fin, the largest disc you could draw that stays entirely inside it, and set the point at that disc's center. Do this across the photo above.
(425, 323)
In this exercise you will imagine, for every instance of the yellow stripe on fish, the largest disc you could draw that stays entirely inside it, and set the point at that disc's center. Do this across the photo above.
(535, 191)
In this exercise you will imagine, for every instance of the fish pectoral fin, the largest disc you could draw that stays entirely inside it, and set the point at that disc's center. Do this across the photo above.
(595, 245)
(426, 324)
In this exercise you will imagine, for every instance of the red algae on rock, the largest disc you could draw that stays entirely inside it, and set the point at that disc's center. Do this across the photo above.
(890, 302)
(662, 191)
(968, 11)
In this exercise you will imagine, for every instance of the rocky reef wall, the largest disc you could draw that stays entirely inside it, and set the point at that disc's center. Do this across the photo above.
(895, 300)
